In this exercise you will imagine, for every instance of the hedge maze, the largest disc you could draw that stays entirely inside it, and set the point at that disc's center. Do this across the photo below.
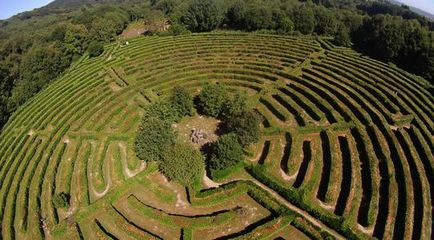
(347, 146)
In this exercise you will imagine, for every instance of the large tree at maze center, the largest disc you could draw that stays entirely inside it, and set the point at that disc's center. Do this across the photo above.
(226, 153)
(211, 99)
(183, 163)
(153, 138)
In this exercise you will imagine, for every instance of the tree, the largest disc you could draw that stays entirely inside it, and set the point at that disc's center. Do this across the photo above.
(178, 29)
(258, 17)
(167, 6)
(202, 15)
(182, 102)
(304, 19)
(236, 14)
(101, 30)
(285, 25)
(58, 33)
(326, 23)
(234, 105)
(163, 110)
(95, 49)
(61, 200)
(210, 100)
(381, 36)
(226, 153)
(183, 164)
(342, 37)
(75, 39)
(352, 21)
(246, 126)
(153, 138)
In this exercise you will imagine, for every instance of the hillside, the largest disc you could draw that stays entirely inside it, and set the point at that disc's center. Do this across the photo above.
(71, 4)
(346, 148)
(417, 10)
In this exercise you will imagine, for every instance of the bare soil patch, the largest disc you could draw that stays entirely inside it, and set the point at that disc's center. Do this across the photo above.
(209, 126)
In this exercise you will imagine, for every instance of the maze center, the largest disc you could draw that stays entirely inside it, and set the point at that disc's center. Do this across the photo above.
(345, 139)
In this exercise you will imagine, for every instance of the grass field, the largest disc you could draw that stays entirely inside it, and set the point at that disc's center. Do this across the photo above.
(347, 149)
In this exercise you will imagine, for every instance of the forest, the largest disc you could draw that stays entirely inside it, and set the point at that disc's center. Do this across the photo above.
(36, 47)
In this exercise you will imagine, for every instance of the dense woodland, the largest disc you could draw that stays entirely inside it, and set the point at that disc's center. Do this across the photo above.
(37, 46)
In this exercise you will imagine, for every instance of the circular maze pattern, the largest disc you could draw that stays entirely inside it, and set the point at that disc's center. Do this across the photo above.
(347, 146)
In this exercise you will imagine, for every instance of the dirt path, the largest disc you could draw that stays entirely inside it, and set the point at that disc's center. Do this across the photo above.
(368, 231)
(208, 182)
(126, 170)
(292, 207)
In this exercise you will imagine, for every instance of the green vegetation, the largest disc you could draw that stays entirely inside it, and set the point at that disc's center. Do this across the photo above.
(226, 153)
(202, 16)
(211, 99)
(245, 125)
(183, 163)
(344, 138)
(61, 200)
(182, 102)
(95, 49)
(342, 37)
(163, 110)
(153, 138)
(234, 104)
(379, 29)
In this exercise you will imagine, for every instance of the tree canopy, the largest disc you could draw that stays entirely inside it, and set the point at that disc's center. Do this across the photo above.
(182, 101)
(246, 126)
(211, 99)
(183, 163)
(95, 49)
(153, 138)
(202, 15)
(226, 153)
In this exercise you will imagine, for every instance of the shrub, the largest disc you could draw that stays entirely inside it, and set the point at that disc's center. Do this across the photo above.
(210, 100)
(304, 19)
(178, 29)
(95, 49)
(183, 164)
(153, 138)
(246, 126)
(285, 25)
(202, 15)
(227, 152)
(61, 200)
(234, 106)
(182, 102)
(342, 37)
(162, 110)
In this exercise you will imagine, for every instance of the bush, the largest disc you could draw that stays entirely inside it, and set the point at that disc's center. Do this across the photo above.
(95, 49)
(211, 99)
(285, 25)
(183, 164)
(227, 153)
(342, 37)
(304, 19)
(178, 29)
(236, 105)
(61, 200)
(202, 15)
(246, 126)
(182, 102)
(162, 110)
(153, 138)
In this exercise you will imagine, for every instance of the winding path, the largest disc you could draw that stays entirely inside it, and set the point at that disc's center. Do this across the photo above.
(282, 200)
